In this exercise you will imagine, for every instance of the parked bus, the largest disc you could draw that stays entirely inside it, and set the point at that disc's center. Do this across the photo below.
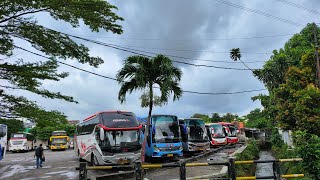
(231, 130)
(194, 135)
(217, 134)
(110, 137)
(59, 140)
(163, 139)
(21, 141)
(3, 140)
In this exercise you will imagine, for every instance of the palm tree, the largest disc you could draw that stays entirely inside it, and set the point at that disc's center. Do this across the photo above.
(142, 73)
(235, 55)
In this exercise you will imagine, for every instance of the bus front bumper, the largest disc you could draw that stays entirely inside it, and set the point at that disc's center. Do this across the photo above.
(59, 147)
(167, 154)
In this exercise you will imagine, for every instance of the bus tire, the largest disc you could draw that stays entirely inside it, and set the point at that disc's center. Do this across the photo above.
(148, 158)
(79, 158)
(92, 160)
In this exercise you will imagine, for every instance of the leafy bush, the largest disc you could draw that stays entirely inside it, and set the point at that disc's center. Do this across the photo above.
(308, 148)
(13, 125)
(250, 153)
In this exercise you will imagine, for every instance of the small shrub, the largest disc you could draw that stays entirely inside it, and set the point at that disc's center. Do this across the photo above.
(250, 153)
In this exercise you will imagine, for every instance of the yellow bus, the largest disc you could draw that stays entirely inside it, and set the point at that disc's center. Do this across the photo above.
(59, 140)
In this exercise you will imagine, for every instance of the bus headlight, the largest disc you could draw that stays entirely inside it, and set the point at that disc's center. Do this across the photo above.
(156, 149)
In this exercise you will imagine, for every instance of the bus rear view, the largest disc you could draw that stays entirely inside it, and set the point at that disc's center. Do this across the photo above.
(163, 139)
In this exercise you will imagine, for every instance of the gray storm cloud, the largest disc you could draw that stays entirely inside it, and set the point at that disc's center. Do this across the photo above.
(168, 27)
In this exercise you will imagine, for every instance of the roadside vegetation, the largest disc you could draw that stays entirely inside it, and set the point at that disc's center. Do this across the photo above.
(250, 153)
(293, 102)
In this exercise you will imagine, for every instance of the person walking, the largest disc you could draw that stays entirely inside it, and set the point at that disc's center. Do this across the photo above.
(39, 156)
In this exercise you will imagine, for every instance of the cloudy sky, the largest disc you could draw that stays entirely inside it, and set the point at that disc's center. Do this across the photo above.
(200, 30)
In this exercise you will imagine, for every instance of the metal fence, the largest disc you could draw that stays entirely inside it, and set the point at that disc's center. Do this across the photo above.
(231, 173)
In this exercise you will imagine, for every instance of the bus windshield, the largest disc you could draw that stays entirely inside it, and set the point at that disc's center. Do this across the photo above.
(59, 133)
(218, 130)
(121, 138)
(18, 135)
(59, 140)
(197, 131)
(119, 119)
(233, 131)
(165, 129)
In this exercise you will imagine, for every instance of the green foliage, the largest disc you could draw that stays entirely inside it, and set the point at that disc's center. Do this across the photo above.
(13, 125)
(308, 148)
(142, 73)
(235, 54)
(228, 117)
(276, 139)
(202, 116)
(44, 133)
(257, 119)
(215, 117)
(289, 75)
(250, 153)
(18, 23)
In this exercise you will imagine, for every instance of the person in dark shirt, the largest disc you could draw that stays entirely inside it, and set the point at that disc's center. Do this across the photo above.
(39, 155)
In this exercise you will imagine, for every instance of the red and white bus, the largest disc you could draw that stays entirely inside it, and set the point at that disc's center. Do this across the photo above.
(109, 137)
(231, 131)
(217, 134)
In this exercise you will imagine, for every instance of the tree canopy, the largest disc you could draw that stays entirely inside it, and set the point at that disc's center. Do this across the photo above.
(20, 31)
(289, 75)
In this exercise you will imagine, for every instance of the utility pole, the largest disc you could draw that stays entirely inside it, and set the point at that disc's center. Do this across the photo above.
(317, 54)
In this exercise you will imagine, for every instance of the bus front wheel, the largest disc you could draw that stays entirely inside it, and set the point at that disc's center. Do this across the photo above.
(93, 160)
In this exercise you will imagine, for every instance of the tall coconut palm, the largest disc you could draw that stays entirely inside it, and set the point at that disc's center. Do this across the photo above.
(143, 73)
(235, 55)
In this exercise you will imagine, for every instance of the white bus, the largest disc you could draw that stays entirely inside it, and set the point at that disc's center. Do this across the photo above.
(110, 137)
(21, 141)
(3, 140)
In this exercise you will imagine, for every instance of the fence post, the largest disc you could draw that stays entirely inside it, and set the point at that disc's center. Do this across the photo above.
(276, 170)
(139, 171)
(231, 169)
(83, 171)
(183, 174)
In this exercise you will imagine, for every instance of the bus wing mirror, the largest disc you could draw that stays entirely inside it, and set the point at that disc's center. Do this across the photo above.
(101, 134)
(212, 131)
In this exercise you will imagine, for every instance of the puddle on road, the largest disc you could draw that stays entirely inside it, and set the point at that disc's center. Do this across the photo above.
(70, 175)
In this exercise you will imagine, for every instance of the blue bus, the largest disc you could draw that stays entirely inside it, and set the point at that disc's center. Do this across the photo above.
(3, 140)
(163, 139)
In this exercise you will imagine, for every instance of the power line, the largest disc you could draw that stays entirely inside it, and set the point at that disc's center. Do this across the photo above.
(103, 76)
(141, 53)
(299, 6)
(190, 50)
(204, 39)
(259, 12)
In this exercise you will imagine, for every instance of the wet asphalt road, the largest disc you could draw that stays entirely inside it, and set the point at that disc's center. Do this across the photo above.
(22, 166)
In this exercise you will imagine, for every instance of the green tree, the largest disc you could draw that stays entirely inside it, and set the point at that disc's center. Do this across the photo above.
(215, 117)
(256, 119)
(142, 73)
(18, 23)
(289, 75)
(228, 117)
(139, 73)
(202, 116)
(13, 125)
